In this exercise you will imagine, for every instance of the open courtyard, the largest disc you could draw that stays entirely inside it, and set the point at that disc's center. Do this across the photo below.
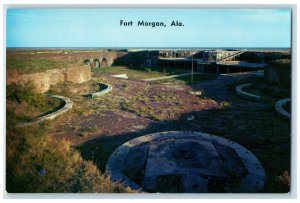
(149, 101)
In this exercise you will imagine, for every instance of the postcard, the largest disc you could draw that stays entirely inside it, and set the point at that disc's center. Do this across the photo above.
(148, 100)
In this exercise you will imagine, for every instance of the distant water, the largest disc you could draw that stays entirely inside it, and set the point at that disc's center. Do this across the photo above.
(149, 48)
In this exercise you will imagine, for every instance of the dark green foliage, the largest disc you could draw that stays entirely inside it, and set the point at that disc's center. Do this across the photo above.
(124, 105)
(24, 93)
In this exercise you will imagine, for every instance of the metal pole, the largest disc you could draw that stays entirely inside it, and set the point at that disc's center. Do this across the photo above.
(192, 69)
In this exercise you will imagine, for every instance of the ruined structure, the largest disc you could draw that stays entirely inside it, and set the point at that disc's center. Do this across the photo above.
(220, 60)
(202, 61)
(103, 89)
(43, 80)
(190, 162)
(93, 58)
(208, 56)
(138, 59)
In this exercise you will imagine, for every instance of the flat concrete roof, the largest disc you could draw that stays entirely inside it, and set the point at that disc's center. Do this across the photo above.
(181, 59)
(242, 63)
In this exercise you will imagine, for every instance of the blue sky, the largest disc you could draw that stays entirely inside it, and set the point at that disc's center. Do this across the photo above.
(101, 28)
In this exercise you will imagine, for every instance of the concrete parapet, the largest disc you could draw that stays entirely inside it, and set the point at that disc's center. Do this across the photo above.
(43, 80)
(106, 88)
(67, 106)
(279, 107)
(246, 95)
(120, 76)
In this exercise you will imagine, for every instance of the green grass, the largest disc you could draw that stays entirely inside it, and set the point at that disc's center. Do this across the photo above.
(268, 95)
(32, 64)
(28, 103)
(142, 73)
(150, 106)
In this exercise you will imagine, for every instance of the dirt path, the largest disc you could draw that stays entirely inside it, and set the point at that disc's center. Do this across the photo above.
(167, 77)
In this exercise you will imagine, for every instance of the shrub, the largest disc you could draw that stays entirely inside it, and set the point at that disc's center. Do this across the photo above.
(148, 70)
(284, 180)
(124, 105)
(25, 93)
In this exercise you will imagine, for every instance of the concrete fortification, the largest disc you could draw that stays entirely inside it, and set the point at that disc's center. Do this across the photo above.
(43, 80)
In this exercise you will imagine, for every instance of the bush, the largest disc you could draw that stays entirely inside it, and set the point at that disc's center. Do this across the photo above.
(284, 180)
(25, 93)
(148, 70)
(124, 105)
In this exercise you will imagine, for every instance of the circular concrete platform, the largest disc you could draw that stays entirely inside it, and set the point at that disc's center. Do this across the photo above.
(189, 162)
(104, 88)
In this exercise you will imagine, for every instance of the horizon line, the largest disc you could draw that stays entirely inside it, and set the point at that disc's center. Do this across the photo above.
(87, 47)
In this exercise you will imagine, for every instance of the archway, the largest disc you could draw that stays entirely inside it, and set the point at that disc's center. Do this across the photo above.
(104, 62)
(96, 63)
(87, 62)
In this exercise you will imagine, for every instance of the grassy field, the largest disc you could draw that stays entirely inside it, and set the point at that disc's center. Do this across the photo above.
(142, 73)
(269, 93)
(27, 103)
(32, 64)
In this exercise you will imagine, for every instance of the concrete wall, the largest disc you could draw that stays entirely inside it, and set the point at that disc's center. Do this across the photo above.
(67, 106)
(44, 80)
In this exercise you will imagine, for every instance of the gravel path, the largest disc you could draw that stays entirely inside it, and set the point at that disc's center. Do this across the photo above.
(170, 76)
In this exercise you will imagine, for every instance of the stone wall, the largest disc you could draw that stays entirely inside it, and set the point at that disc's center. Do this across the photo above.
(44, 80)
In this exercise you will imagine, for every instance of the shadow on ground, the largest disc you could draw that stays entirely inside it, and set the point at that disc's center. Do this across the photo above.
(257, 127)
